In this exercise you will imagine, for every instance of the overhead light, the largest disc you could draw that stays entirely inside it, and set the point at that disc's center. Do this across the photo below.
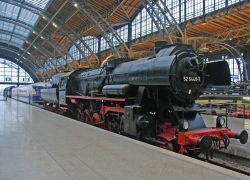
(230, 39)
(34, 46)
(44, 17)
(54, 24)
(28, 52)
(18, 54)
(205, 48)
(27, 42)
(42, 37)
(76, 5)
(34, 32)
(24, 57)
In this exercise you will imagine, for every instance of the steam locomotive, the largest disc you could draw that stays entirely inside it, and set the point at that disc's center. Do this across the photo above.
(151, 99)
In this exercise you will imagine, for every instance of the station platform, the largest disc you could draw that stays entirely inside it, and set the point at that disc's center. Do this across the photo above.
(37, 144)
(237, 125)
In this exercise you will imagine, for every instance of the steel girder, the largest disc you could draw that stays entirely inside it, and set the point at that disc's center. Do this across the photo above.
(48, 58)
(50, 55)
(60, 51)
(29, 63)
(27, 66)
(46, 51)
(59, 9)
(222, 39)
(236, 53)
(18, 14)
(231, 49)
(24, 25)
(14, 35)
(155, 18)
(65, 30)
(16, 22)
(40, 11)
(18, 36)
(83, 42)
(25, 5)
(10, 44)
(106, 14)
(171, 20)
(107, 25)
(100, 23)
(77, 46)
(35, 64)
(156, 12)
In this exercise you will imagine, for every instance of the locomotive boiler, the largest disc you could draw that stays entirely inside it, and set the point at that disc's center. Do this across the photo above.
(151, 99)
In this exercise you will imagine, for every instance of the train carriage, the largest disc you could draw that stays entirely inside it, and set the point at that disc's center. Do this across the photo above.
(30, 93)
(7, 91)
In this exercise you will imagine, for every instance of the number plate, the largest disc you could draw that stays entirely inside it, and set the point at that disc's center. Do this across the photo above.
(191, 79)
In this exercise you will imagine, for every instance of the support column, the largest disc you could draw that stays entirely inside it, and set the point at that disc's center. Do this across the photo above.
(18, 75)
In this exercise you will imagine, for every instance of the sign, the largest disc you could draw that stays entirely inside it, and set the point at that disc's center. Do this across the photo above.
(191, 79)
(234, 76)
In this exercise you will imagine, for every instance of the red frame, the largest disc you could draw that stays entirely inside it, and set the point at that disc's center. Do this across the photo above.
(192, 137)
(238, 113)
(166, 132)
(75, 98)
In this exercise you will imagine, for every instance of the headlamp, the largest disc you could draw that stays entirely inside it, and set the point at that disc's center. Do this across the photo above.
(220, 122)
(185, 124)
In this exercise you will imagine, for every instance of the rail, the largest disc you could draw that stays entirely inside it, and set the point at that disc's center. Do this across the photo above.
(231, 162)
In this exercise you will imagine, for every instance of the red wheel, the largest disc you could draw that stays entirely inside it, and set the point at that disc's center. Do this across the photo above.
(194, 151)
(79, 115)
(97, 120)
(87, 116)
(60, 111)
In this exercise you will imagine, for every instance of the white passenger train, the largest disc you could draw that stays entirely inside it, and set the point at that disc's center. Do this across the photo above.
(30, 93)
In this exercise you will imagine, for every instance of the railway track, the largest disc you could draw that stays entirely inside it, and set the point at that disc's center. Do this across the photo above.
(228, 161)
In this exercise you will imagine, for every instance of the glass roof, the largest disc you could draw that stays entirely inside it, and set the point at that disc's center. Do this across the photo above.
(10, 13)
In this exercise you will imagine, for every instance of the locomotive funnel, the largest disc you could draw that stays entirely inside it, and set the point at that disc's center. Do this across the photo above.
(243, 137)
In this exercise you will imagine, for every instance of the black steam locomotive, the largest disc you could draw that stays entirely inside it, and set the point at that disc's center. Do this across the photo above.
(151, 99)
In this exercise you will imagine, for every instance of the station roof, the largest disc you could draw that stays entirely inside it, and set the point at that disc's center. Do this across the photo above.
(33, 31)
(17, 21)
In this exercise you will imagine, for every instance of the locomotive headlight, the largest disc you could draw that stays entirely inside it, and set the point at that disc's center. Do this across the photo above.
(220, 122)
(185, 124)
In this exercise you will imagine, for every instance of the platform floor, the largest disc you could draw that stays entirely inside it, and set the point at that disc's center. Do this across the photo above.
(37, 144)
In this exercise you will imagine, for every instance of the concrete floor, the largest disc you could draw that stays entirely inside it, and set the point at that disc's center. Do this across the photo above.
(37, 144)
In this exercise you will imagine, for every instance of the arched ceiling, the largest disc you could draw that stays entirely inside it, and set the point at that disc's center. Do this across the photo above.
(44, 29)
(38, 30)
(10, 53)
(17, 21)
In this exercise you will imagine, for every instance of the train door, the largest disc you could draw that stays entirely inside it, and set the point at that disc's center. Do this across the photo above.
(62, 90)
